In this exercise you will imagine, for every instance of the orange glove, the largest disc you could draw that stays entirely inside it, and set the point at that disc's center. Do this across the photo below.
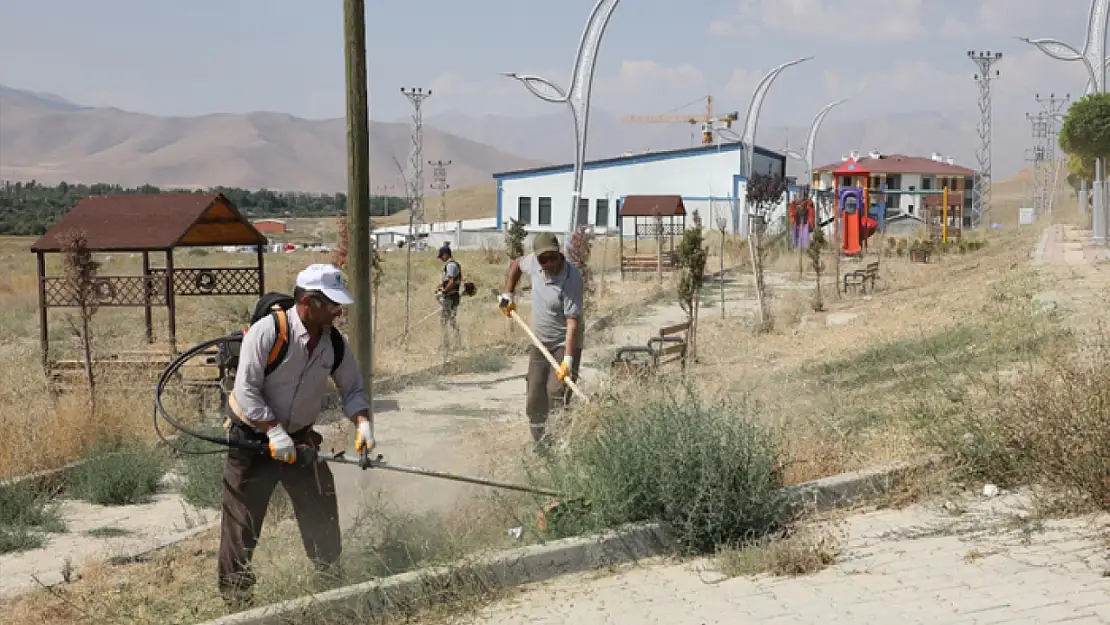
(564, 369)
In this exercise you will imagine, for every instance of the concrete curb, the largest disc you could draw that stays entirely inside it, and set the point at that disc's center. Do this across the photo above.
(1042, 244)
(409, 591)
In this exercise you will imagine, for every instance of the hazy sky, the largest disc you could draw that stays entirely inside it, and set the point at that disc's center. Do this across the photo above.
(190, 57)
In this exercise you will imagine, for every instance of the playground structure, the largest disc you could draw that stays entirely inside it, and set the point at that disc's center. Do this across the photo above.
(943, 213)
(802, 214)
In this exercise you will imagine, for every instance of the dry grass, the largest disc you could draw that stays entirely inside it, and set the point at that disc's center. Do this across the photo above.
(60, 430)
(804, 552)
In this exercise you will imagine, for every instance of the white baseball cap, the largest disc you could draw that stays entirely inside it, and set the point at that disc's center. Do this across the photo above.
(326, 279)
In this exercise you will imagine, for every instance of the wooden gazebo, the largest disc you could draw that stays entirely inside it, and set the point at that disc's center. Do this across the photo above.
(150, 223)
(654, 216)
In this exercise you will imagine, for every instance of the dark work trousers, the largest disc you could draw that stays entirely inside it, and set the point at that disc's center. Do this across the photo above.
(448, 321)
(249, 481)
(545, 391)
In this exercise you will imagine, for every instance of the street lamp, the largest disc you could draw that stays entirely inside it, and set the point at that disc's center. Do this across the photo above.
(578, 96)
(751, 121)
(807, 155)
(1094, 59)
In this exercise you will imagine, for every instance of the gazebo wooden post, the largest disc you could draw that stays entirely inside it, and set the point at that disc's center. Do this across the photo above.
(146, 298)
(261, 271)
(171, 302)
(44, 333)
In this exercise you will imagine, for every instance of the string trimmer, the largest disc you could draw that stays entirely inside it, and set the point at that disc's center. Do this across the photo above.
(306, 455)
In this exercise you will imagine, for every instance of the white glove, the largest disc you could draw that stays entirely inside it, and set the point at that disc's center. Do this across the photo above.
(281, 445)
(365, 437)
(505, 303)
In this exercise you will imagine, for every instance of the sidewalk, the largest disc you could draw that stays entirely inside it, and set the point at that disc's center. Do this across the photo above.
(1062, 244)
(921, 565)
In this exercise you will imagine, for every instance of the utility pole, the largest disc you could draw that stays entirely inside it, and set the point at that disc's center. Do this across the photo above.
(358, 187)
(416, 96)
(383, 190)
(439, 183)
(981, 196)
(1040, 165)
(1051, 109)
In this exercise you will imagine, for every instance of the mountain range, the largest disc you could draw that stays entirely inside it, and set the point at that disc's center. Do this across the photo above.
(49, 138)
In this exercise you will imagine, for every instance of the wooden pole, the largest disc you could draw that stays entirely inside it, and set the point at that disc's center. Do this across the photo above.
(358, 187)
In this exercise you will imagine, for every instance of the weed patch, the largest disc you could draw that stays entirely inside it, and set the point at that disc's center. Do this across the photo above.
(803, 553)
(26, 513)
(202, 469)
(118, 476)
(707, 470)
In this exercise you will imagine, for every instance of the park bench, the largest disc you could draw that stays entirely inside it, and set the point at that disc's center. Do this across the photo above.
(668, 346)
(860, 278)
(647, 262)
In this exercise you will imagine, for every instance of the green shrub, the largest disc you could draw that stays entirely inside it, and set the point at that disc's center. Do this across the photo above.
(201, 470)
(708, 471)
(119, 475)
(25, 513)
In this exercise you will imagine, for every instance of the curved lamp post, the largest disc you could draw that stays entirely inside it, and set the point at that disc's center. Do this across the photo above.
(807, 156)
(751, 121)
(578, 96)
(1093, 56)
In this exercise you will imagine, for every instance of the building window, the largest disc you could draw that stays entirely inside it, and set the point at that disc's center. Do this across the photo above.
(545, 211)
(524, 210)
(893, 182)
(926, 183)
(601, 213)
(583, 217)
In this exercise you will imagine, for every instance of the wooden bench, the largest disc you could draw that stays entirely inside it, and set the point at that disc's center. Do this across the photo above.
(646, 262)
(669, 346)
(860, 278)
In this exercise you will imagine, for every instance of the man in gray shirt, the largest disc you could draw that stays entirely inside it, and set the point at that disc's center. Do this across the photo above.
(557, 291)
(280, 408)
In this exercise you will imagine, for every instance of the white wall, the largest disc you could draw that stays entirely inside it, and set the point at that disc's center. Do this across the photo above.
(697, 177)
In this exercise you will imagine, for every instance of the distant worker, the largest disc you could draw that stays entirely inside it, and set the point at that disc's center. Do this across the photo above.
(279, 407)
(557, 291)
(449, 294)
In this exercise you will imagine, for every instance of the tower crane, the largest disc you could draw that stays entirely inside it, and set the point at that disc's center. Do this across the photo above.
(707, 120)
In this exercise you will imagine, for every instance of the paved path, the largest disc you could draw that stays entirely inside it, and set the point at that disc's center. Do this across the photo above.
(970, 561)
(920, 565)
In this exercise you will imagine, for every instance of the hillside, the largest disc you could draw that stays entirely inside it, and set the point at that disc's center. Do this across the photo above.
(51, 140)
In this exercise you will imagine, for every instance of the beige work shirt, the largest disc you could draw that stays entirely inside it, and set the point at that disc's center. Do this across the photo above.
(294, 393)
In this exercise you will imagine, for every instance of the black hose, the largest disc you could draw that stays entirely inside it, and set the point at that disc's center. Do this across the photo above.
(160, 387)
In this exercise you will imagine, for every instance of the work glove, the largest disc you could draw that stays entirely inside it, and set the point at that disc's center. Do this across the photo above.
(564, 369)
(505, 303)
(364, 439)
(281, 445)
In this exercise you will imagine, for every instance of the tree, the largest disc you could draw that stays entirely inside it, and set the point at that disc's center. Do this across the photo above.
(79, 271)
(722, 225)
(691, 256)
(817, 245)
(1086, 129)
(763, 193)
(514, 238)
(578, 254)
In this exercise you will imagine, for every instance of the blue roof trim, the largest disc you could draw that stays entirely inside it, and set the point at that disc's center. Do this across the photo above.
(635, 159)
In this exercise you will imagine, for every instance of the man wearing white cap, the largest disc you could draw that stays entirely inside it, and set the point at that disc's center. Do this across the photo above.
(276, 400)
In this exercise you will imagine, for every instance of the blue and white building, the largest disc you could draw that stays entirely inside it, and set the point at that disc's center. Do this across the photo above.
(708, 178)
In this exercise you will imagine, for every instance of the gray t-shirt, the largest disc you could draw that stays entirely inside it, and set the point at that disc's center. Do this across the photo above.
(554, 300)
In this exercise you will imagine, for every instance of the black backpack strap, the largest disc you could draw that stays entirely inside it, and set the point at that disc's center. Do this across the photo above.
(337, 348)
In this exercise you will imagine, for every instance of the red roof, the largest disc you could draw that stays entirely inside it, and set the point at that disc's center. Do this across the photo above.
(852, 168)
(653, 206)
(159, 221)
(900, 164)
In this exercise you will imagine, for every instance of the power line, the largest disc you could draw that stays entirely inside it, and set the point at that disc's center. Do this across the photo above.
(416, 96)
(439, 183)
(1051, 108)
(1040, 162)
(981, 202)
